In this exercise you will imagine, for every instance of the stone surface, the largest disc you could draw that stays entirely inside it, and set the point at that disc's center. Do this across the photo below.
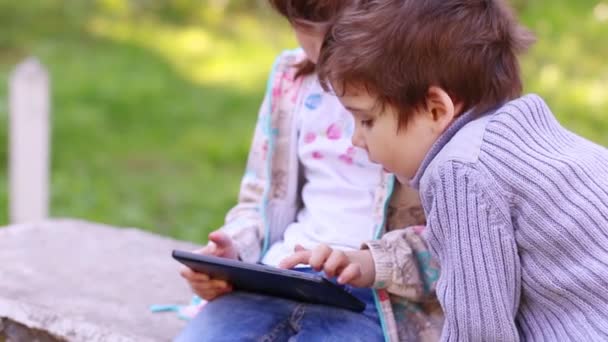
(11, 331)
(78, 281)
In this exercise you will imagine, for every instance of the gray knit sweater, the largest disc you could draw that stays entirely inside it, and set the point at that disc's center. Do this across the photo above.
(517, 210)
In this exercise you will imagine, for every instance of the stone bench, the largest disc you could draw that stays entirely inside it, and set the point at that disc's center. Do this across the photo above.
(79, 281)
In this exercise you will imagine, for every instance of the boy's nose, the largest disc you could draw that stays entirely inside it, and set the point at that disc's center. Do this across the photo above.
(358, 141)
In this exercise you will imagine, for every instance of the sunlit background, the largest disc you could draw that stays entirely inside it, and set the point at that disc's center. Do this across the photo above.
(154, 101)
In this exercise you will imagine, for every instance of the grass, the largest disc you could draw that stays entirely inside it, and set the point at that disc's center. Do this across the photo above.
(153, 115)
(567, 65)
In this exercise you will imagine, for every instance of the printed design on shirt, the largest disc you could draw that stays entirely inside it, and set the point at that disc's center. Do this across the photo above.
(336, 131)
(352, 156)
(313, 101)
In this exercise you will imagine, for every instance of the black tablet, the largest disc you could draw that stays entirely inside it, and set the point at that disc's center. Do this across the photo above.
(272, 281)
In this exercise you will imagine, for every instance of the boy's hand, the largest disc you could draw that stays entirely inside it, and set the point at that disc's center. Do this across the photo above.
(355, 268)
(219, 245)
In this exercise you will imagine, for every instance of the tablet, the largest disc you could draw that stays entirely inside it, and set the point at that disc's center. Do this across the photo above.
(272, 281)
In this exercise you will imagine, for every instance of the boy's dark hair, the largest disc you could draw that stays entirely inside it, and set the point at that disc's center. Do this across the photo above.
(321, 11)
(397, 49)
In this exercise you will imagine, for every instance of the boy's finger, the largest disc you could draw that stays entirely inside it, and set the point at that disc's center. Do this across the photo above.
(299, 248)
(336, 261)
(297, 258)
(350, 275)
(319, 255)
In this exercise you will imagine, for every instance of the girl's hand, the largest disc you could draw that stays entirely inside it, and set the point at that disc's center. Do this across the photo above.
(219, 245)
(355, 268)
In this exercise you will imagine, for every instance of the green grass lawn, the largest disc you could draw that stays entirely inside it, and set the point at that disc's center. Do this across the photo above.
(153, 115)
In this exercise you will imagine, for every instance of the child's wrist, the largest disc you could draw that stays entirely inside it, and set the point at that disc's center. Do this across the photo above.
(365, 261)
(381, 263)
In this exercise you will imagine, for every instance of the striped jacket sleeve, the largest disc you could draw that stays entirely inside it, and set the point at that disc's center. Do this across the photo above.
(472, 235)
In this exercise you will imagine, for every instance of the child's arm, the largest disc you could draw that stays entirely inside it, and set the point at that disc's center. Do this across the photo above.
(471, 231)
(244, 223)
(240, 237)
(399, 263)
(403, 264)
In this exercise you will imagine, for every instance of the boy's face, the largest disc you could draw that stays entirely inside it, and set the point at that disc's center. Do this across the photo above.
(398, 150)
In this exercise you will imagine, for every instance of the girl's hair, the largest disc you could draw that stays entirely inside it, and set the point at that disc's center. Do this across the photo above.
(321, 11)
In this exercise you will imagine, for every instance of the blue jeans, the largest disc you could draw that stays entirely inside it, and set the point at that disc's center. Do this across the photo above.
(242, 316)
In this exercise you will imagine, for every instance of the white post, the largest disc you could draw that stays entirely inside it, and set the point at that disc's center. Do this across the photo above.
(29, 108)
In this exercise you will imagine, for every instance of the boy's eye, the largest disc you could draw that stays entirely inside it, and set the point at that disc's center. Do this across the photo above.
(367, 123)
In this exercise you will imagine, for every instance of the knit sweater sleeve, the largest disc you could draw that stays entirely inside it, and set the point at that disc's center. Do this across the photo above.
(471, 233)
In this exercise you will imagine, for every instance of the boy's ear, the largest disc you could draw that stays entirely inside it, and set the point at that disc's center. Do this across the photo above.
(440, 107)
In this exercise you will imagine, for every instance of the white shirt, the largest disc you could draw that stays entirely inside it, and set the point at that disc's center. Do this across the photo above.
(338, 194)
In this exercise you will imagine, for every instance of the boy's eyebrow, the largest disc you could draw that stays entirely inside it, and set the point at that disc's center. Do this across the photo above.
(355, 109)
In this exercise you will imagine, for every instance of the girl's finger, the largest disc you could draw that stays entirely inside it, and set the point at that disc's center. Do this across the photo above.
(212, 294)
(215, 285)
(191, 275)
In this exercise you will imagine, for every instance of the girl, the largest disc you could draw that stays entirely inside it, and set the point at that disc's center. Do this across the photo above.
(307, 185)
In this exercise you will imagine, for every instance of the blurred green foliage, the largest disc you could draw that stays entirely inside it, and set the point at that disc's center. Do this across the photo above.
(154, 101)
